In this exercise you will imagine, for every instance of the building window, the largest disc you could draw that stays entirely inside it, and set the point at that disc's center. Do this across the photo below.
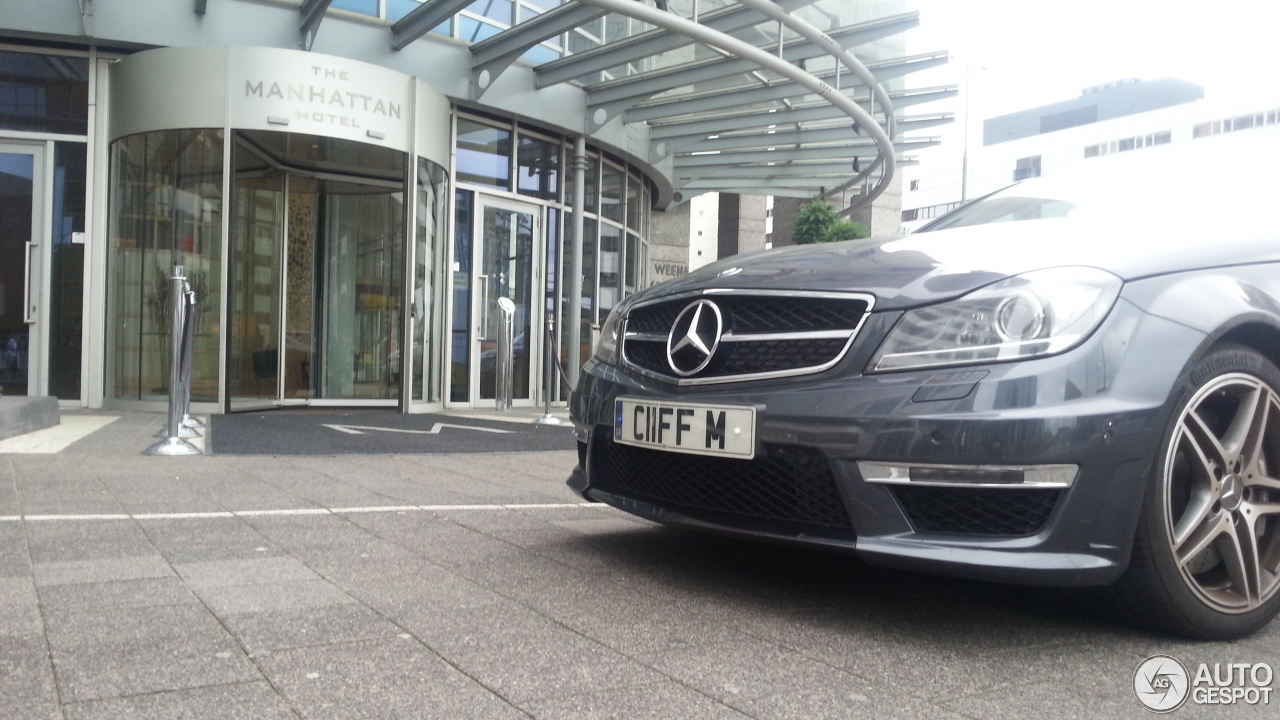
(484, 154)
(1070, 118)
(1028, 167)
(44, 93)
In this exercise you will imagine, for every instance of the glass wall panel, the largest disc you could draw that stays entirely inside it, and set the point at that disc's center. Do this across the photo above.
(66, 322)
(499, 10)
(364, 7)
(632, 264)
(538, 168)
(633, 202)
(44, 93)
(591, 185)
(165, 210)
(473, 31)
(611, 193)
(610, 269)
(483, 154)
(460, 326)
(429, 282)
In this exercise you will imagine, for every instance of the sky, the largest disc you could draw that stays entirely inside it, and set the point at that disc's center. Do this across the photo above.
(1019, 54)
(1024, 53)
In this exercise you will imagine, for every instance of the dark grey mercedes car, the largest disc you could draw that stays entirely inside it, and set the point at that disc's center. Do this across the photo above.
(1068, 382)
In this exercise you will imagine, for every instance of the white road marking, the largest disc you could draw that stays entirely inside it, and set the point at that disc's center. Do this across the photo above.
(435, 429)
(296, 511)
(57, 438)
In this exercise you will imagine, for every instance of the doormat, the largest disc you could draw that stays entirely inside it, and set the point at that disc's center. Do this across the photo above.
(375, 432)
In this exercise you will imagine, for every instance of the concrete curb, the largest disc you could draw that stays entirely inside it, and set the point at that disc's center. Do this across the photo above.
(21, 415)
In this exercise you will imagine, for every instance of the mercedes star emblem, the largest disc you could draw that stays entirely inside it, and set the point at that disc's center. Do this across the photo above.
(694, 337)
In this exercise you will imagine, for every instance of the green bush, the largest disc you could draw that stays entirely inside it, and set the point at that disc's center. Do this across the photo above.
(817, 222)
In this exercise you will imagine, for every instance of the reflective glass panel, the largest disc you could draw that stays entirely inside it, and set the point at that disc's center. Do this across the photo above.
(17, 195)
(429, 282)
(44, 93)
(483, 154)
(66, 316)
(364, 7)
(499, 10)
(538, 168)
(610, 269)
(165, 210)
(611, 193)
(460, 325)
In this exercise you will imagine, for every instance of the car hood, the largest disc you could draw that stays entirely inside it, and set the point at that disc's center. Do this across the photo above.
(912, 270)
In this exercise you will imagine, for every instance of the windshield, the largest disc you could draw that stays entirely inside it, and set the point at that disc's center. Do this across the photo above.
(1003, 207)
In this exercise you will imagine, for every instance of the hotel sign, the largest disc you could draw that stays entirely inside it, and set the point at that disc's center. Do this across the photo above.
(285, 90)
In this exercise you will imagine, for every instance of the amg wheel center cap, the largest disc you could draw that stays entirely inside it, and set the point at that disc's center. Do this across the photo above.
(1232, 493)
(694, 337)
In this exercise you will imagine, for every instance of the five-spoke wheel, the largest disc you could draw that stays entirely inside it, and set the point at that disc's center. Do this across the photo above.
(1206, 559)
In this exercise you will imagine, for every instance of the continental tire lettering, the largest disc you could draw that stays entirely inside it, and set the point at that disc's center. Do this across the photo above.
(1214, 366)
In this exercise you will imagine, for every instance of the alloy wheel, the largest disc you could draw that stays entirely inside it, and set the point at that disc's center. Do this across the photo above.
(1222, 493)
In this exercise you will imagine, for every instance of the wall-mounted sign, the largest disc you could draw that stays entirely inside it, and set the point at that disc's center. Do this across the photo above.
(273, 89)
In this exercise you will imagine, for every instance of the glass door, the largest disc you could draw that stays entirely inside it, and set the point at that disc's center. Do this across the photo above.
(22, 277)
(507, 262)
(258, 228)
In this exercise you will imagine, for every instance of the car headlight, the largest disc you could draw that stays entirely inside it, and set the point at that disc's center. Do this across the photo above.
(1030, 315)
(606, 349)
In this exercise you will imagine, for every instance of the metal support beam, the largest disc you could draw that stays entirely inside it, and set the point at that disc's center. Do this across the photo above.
(617, 95)
(838, 170)
(489, 58)
(688, 174)
(753, 93)
(423, 19)
(649, 44)
(312, 12)
(778, 155)
(836, 133)
(721, 125)
(763, 60)
(573, 351)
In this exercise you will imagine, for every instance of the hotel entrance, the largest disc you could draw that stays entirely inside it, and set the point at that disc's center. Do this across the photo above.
(316, 271)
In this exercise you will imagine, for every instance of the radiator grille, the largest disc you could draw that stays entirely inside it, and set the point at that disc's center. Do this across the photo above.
(761, 336)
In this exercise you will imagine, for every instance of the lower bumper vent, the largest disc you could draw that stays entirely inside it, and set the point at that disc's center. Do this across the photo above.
(786, 483)
(978, 511)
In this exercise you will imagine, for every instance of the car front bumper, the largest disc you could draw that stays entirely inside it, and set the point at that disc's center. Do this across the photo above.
(1101, 407)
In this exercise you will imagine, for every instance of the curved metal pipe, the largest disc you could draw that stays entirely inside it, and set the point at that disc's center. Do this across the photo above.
(747, 51)
(818, 37)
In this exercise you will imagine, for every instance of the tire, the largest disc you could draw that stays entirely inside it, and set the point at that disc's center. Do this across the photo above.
(1206, 555)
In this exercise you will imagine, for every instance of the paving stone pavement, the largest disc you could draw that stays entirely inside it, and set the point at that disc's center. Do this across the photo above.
(478, 586)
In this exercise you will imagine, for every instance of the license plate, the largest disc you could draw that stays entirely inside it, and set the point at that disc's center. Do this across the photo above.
(719, 430)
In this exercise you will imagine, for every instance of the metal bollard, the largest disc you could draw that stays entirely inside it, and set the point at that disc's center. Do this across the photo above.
(188, 344)
(549, 376)
(174, 432)
(505, 379)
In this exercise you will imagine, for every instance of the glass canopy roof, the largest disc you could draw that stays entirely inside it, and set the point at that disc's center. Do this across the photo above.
(784, 97)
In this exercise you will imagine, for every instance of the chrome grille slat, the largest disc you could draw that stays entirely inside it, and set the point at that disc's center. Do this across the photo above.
(766, 334)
